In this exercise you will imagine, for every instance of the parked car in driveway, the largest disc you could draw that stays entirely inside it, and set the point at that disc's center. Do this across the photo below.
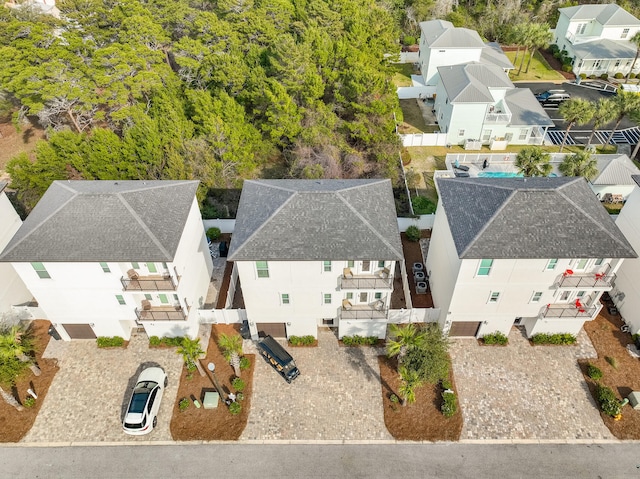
(142, 413)
(551, 98)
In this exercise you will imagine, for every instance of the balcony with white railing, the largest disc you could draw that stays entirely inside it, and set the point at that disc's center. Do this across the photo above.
(376, 310)
(570, 310)
(161, 313)
(382, 280)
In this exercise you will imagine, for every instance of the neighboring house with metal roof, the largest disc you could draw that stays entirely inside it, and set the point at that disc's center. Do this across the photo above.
(615, 176)
(104, 257)
(597, 38)
(12, 289)
(534, 252)
(313, 253)
(626, 293)
(478, 102)
(443, 44)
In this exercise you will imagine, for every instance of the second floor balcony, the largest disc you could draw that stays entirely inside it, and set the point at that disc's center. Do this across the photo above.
(161, 313)
(570, 310)
(376, 310)
(601, 281)
(149, 283)
(497, 118)
(381, 280)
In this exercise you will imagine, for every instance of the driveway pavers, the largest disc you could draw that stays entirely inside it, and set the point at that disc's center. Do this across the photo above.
(336, 397)
(90, 392)
(525, 392)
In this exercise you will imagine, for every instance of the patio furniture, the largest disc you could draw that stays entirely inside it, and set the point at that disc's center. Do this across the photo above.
(346, 304)
(462, 167)
(461, 174)
(346, 272)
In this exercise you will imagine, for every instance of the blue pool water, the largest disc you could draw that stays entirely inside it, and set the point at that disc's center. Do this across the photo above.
(503, 174)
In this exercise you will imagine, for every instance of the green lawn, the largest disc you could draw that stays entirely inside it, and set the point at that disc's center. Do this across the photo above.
(402, 75)
(538, 70)
(413, 121)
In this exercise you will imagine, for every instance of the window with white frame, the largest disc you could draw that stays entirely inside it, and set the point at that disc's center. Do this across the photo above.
(349, 296)
(581, 264)
(378, 296)
(537, 295)
(599, 262)
(460, 132)
(326, 266)
(351, 264)
(485, 267)
(486, 135)
(105, 267)
(284, 298)
(552, 263)
(580, 294)
(40, 270)
(326, 298)
(262, 268)
(493, 298)
(120, 300)
(380, 264)
(625, 33)
(524, 132)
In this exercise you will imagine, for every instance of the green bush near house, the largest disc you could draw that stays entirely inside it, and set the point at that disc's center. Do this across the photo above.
(183, 404)
(495, 338)
(302, 340)
(449, 404)
(423, 205)
(618, 76)
(558, 338)
(594, 372)
(238, 384)
(409, 40)
(359, 340)
(413, 233)
(110, 341)
(29, 402)
(608, 401)
(604, 76)
(613, 362)
(213, 233)
(235, 408)
(155, 341)
(245, 363)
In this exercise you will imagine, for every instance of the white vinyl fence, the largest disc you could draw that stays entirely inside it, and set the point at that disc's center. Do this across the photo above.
(424, 139)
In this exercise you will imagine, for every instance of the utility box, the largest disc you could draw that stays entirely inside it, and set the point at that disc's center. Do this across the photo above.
(634, 399)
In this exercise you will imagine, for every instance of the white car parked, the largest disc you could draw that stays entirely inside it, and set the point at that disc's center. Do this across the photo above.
(142, 413)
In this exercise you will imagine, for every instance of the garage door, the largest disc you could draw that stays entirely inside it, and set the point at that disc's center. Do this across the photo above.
(79, 331)
(277, 330)
(464, 328)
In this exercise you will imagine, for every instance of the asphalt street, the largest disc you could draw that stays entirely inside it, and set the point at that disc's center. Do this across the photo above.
(447, 460)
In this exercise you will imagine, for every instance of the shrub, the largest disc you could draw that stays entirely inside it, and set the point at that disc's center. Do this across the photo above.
(558, 338)
(110, 341)
(618, 75)
(608, 401)
(567, 67)
(409, 40)
(29, 402)
(592, 77)
(413, 233)
(209, 212)
(594, 372)
(245, 363)
(449, 405)
(612, 361)
(495, 338)
(359, 340)
(423, 205)
(213, 233)
(235, 408)
(446, 384)
(302, 340)
(183, 404)
(238, 384)
(604, 76)
(240, 396)
(583, 76)
(394, 399)
(633, 75)
(553, 49)
(154, 341)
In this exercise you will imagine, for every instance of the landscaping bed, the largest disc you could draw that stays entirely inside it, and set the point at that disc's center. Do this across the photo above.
(421, 420)
(621, 371)
(16, 424)
(212, 424)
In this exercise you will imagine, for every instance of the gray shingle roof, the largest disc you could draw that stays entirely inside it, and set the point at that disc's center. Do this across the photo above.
(307, 220)
(606, 14)
(525, 109)
(86, 221)
(470, 83)
(618, 170)
(605, 48)
(529, 218)
(442, 34)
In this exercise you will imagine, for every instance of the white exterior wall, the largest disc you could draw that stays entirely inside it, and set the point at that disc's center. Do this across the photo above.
(563, 26)
(438, 57)
(628, 276)
(12, 289)
(468, 117)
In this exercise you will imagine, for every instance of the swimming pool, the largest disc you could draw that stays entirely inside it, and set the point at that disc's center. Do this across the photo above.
(504, 174)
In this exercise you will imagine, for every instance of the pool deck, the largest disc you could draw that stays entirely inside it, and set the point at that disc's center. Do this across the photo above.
(500, 164)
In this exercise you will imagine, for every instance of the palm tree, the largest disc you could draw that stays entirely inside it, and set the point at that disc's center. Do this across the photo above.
(605, 112)
(231, 349)
(410, 380)
(580, 163)
(575, 112)
(191, 352)
(516, 35)
(540, 37)
(626, 104)
(16, 343)
(634, 39)
(525, 33)
(402, 339)
(533, 161)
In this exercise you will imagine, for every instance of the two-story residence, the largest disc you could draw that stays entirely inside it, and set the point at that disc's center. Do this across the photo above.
(476, 101)
(442, 44)
(12, 289)
(101, 258)
(534, 252)
(313, 253)
(597, 38)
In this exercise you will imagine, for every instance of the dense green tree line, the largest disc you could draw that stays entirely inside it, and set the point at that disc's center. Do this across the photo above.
(219, 91)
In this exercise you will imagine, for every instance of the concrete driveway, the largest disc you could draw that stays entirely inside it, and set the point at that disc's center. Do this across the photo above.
(524, 392)
(336, 397)
(89, 395)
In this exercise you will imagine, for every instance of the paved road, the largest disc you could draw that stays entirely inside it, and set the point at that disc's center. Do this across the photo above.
(325, 461)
